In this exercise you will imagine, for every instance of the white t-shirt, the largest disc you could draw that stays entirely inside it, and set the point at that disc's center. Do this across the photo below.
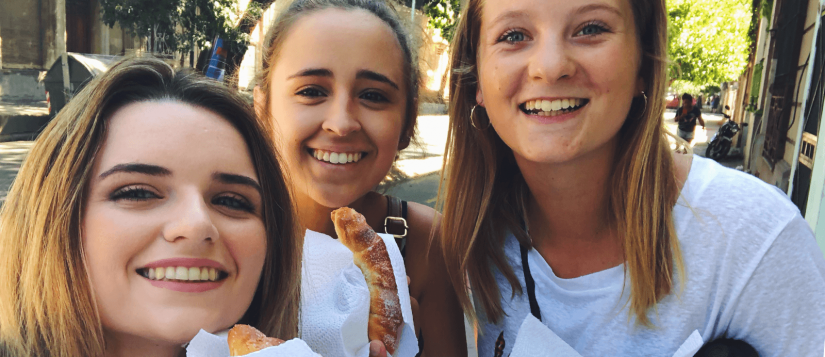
(754, 273)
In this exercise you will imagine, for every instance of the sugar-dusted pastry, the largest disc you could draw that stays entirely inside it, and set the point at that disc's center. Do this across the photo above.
(245, 339)
(371, 256)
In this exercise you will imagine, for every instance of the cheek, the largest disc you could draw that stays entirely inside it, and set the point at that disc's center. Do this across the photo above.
(246, 243)
(110, 239)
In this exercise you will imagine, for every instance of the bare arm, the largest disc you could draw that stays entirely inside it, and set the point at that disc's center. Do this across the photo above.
(440, 318)
(701, 121)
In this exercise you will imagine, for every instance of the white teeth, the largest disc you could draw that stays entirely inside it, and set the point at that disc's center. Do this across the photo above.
(181, 273)
(339, 158)
(548, 106)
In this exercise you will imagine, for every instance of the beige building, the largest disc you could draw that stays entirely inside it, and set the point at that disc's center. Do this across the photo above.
(786, 87)
(30, 41)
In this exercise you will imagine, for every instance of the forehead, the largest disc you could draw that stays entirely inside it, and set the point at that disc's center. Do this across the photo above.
(494, 11)
(344, 41)
(172, 134)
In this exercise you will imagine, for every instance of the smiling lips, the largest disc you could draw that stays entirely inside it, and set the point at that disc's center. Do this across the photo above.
(549, 108)
(339, 158)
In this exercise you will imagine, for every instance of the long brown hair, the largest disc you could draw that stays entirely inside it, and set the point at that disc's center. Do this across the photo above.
(47, 304)
(483, 192)
(380, 8)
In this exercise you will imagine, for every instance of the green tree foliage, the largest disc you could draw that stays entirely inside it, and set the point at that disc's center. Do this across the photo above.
(186, 22)
(144, 17)
(203, 20)
(443, 16)
(708, 40)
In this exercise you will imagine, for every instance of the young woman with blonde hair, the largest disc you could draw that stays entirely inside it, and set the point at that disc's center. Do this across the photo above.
(564, 201)
(141, 216)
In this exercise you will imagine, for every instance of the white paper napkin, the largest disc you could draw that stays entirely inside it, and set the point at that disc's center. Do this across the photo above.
(535, 339)
(692, 345)
(206, 344)
(335, 299)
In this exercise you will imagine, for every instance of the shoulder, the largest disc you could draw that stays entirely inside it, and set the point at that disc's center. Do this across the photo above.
(728, 215)
(733, 193)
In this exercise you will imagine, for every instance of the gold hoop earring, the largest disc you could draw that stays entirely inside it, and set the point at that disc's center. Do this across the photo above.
(644, 110)
(473, 121)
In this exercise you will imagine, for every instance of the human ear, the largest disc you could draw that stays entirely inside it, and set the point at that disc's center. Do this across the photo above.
(640, 85)
(479, 97)
(406, 136)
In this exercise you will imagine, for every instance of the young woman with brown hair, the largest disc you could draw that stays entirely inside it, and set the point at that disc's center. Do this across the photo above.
(141, 216)
(340, 82)
(564, 201)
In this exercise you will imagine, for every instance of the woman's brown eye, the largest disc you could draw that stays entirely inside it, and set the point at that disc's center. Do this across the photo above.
(234, 203)
(132, 194)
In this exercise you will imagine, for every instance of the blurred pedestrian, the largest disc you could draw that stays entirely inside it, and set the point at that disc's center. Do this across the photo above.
(687, 115)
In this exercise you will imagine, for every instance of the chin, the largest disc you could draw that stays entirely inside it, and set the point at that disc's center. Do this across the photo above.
(336, 196)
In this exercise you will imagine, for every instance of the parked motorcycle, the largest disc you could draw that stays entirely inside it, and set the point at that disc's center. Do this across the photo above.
(720, 143)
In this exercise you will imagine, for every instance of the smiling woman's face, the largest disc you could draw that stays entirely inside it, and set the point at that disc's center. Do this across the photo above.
(338, 100)
(172, 229)
(557, 77)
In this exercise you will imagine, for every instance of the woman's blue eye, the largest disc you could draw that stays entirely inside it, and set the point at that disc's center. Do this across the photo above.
(234, 203)
(374, 97)
(311, 92)
(132, 194)
(592, 30)
(512, 36)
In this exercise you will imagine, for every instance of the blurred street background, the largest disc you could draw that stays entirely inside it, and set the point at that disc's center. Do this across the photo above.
(762, 59)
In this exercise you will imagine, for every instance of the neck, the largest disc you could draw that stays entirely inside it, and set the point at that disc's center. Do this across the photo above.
(127, 346)
(317, 217)
(569, 201)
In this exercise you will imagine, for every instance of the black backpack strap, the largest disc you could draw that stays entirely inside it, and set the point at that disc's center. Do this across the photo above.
(530, 284)
(396, 221)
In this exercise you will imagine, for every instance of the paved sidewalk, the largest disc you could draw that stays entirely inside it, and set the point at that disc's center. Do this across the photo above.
(33, 109)
(12, 155)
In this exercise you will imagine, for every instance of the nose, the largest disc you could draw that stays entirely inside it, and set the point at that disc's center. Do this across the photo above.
(190, 220)
(552, 60)
(341, 119)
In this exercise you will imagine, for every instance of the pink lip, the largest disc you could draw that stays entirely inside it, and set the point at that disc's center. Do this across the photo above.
(186, 263)
(186, 287)
(339, 149)
(552, 119)
(552, 98)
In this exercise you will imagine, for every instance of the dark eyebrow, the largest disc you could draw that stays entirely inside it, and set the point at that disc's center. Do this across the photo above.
(232, 179)
(592, 7)
(146, 169)
(312, 72)
(375, 76)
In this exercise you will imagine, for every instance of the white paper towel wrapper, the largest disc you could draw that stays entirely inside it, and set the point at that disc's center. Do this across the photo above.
(206, 344)
(335, 299)
(535, 339)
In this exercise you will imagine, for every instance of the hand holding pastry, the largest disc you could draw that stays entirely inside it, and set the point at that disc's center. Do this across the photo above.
(371, 256)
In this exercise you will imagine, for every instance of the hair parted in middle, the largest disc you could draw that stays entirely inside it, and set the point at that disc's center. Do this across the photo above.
(483, 194)
(47, 305)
